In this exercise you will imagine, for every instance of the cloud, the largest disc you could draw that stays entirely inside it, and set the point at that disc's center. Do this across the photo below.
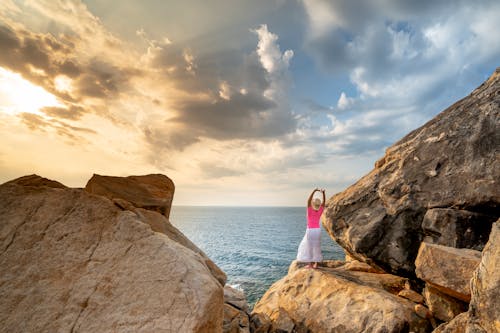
(406, 60)
(226, 96)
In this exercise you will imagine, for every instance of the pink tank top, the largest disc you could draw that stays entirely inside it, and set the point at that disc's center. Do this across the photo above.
(313, 217)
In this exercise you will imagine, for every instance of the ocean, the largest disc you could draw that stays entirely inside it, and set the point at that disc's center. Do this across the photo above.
(253, 245)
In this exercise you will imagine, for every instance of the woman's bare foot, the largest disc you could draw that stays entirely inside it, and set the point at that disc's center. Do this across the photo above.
(315, 265)
(308, 266)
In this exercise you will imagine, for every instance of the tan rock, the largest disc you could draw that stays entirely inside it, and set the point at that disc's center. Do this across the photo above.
(457, 325)
(422, 311)
(153, 192)
(260, 323)
(355, 265)
(281, 322)
(235, 311)
(442, 306)
(485, 304)
(35, 181)
(447, 269)
(160, 223)
(235, 321)
(337, 300)
(236, 298)
(411, 295)
(484, 308)
(75, 262)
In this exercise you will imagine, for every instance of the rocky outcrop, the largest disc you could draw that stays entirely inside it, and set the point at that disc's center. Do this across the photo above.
(76, 262)
(153, 192)
(450, 163)
(447, 269)
(484, 309)
(236, 317)
(337, 300)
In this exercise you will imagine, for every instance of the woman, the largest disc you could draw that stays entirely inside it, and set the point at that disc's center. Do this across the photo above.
(310, 246)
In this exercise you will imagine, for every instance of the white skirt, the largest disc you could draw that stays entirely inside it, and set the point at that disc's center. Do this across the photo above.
(310, 246)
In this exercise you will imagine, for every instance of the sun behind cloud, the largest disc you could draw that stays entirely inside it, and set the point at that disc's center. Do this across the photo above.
(18, 95)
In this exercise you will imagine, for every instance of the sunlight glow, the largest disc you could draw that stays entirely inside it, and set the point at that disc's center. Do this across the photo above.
(63, 83)
(18, 95)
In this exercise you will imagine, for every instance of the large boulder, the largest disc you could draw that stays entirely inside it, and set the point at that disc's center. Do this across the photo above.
(75, 262)
(154, 192)
(447, 269)
(337, 300)
(451, 162)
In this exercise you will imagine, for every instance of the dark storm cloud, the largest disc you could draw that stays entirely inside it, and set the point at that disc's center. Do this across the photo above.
(235, 105)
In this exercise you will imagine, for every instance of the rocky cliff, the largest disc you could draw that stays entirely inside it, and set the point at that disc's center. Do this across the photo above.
(73, 261)
(424, 214)
(439, 183)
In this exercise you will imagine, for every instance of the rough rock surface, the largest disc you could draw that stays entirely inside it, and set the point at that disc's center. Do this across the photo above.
(484, 308)
(153, 192)
(447, 269)
(450, 162)
(485, 304)
(75, 262)
(159, 223)
(456, 228)
(236, 317)
(442, 306)
(337, 300)
(411, 295)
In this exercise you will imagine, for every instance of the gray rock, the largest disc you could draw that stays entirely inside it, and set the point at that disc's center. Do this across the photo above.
(456, 228)
(450, 162)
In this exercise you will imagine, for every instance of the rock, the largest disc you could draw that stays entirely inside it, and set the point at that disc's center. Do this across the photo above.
(295, 265)
(236, 298)
(75, 262)
(337, 300)
(159, 223)
(36, 181)
(450, 162)
(154, 192)
(459, 324)
(442, 306)
(260, 323)
(281, 322)
(422, 311)
(411, 295)
(447, 269)
(456, 228)
(235, 321)
(355, 265)
(235, 311)
(484, 308)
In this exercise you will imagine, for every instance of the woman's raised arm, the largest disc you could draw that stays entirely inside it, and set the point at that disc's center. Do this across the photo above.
(311, 196)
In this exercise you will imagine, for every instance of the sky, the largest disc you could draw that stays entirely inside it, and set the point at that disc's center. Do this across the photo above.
(241, 103)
